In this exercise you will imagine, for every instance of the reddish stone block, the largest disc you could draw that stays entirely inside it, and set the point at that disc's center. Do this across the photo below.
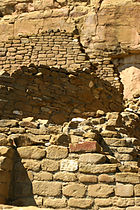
(88, 146)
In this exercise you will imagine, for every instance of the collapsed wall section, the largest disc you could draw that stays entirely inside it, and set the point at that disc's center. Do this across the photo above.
(55, 94)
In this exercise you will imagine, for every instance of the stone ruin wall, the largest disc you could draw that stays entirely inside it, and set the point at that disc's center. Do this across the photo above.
(82, 164)
(60, 60)
(50, 76)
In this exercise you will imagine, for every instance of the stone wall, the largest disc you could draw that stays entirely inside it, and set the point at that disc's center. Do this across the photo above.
(55, 94)
(82, 164)
(58, 49)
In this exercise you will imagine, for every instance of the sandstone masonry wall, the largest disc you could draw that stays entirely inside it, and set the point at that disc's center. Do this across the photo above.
(58, 49)
(83, 164)
(55, 94)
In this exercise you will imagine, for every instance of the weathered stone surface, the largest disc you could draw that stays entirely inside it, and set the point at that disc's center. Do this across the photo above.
(8, 123)
(132, 178)
(68, 165)
(43, 176)
(55, 203)
(124, 190)
(4, 141)
(74, 190)
(106, 178)
(49, 165)
(124, 202)
(92, 158)
(65, 176)
(85, 147)
(46, 188)
(80, 203)
(101, 168)
(115, 142)
(57, 152)
(87, 178)
(103, 201)
(32, 152)
(137, 189)
(100, 190)
(33, 165)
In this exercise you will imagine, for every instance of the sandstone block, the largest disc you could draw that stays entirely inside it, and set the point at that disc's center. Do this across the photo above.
(46, 188)
(4, 141)
(85, 147)
(27, 124)
(104, 201)
(94, 169)
(133, 208)
(109, 134)
(83, 203)
(57, 152)
(124, 190)
(68, 165)
(65, 176)
(49, 165)
(100, 190)
(91, 135)
(43, 176)
(33, 165)
(106, 178)
(92, 158)
(74, 190)
(55, 202)
(76, 139)
(124, 157)
(137, 189)
(8, 123)
(31, 152)
(124, 202)
(137, 201)
(87, 178)
(115, 142)
(132, 178)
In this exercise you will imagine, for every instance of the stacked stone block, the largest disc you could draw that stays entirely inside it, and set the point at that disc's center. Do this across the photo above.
(82, 164)
(49, 93)
(58, 49)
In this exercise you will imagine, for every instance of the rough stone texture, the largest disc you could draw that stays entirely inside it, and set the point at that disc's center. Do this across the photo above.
(80, 203)
(68, 165)
(54, 152)
(33, 152)
(85, 147)
(92, 158)
(54, 177)
(47, 188)
(100, 190)
(124, 190)
(74, 190)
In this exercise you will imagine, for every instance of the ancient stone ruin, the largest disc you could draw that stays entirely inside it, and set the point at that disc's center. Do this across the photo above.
(70, 104)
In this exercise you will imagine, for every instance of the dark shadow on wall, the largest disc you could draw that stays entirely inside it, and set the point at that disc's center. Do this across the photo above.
(20, 193)
(55, 94)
